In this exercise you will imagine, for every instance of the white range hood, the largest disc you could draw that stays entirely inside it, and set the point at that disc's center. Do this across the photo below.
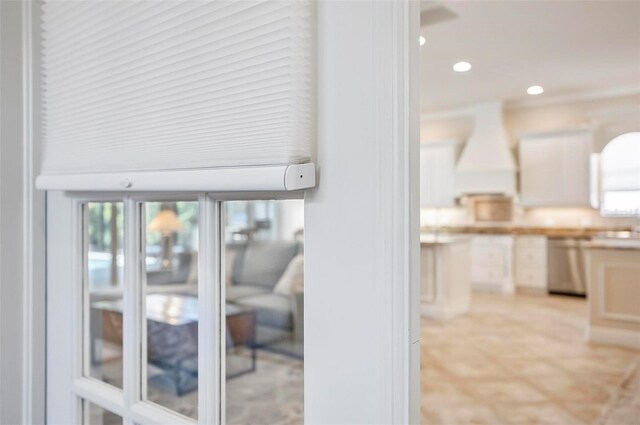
(486, 165)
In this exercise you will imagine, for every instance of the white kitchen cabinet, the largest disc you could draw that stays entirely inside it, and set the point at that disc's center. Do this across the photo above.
(444, 271)
(531, 262)
(437, 163)
(491, 263)
(554, 169)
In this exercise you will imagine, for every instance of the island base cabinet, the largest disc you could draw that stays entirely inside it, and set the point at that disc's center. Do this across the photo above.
(491, 264)
(446, 287)
(614, 296)
(531, 264)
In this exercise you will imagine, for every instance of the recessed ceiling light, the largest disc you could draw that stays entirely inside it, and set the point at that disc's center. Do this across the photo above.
(422, 40)
(462, 67)
(534, 90)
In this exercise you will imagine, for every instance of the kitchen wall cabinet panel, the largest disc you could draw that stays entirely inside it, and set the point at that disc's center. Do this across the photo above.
(437, 178)
(554, 169)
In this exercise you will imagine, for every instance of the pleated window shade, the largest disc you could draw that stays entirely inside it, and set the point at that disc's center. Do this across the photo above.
(145, 86)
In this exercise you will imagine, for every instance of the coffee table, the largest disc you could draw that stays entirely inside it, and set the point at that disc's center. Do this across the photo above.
(177, 315)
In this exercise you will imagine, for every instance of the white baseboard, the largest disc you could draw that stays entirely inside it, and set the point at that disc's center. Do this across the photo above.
(443, 312)
(623, 337)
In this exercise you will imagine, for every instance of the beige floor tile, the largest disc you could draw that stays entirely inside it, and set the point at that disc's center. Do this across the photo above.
(531, 366)
(514, 391)
(535, 414)
(586, 365)
(566, 387)
(431, 374)
(521, 359)
(474, 367)
(588, 413)
(441, 395)
(627, 415)
(470, 414)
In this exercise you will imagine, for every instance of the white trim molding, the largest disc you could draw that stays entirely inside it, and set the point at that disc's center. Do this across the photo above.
(362, 270)
(623, 337)
(396, 70)
(34, 231)
(532, 102)
(22, 226)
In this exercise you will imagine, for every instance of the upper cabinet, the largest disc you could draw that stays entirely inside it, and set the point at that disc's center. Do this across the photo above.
(437, 163)
(554, 169)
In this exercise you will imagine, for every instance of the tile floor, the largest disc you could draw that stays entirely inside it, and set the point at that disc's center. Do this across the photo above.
(523, 360)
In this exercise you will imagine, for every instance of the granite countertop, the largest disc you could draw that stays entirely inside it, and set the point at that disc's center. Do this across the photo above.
(587, 232)
(632, 243)
(433, 239)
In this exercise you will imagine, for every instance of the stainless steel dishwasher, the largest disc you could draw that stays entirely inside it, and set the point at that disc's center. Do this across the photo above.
(566, 266)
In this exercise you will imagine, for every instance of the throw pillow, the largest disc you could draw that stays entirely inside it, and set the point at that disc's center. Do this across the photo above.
(292, 280)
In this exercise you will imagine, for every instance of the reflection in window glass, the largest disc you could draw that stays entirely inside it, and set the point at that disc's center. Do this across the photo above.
(264, 311)
(96, 415)
(104, 277)
(172, 305)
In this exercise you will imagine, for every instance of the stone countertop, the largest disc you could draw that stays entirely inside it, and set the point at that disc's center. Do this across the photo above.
(434, 239)
(569, 232)
(615, 243)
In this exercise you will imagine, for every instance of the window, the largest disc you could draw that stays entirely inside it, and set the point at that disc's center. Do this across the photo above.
(171, 305)
(264, 313)
(620, 176)
(95, 415)
(104, 286)
(192, 310)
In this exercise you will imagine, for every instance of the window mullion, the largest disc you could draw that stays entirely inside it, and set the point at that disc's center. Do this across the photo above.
(133, 311)
(79, 300)
(209, 312)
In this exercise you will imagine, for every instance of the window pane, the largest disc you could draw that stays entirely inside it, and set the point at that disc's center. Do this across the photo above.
(104, 277)
(264, 312)
(172, 305)
(96, 415)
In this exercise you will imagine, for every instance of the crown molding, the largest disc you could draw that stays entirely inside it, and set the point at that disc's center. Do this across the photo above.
(581, 96)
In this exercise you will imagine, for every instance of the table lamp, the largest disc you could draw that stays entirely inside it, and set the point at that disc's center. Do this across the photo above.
(166, 222)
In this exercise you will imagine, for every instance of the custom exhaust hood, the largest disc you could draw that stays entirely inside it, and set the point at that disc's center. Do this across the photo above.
(486, 165)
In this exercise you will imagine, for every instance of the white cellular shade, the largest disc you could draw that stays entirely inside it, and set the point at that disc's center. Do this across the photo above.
(137, 86)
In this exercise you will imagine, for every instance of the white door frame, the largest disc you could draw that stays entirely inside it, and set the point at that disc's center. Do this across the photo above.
(22, 227)
(362, 222)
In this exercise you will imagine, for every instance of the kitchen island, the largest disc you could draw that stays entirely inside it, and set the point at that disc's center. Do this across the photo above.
(445, 275)
(613, 278)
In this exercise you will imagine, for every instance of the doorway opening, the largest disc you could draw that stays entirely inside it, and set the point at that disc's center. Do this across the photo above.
(530, 299)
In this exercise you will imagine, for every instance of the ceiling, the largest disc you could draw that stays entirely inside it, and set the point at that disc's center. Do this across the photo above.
(567, 47)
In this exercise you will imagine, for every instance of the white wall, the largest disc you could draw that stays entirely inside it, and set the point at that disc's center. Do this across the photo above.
(361, 223)
(621, 110)
(605, 114)
(11, 204)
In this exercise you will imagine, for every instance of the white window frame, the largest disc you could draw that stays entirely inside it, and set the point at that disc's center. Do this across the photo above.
(129, 403)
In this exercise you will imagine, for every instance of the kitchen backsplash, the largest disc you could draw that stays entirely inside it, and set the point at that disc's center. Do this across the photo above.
(535, 217)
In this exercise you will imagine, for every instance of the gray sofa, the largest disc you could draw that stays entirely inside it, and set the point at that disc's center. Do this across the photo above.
(257, 267)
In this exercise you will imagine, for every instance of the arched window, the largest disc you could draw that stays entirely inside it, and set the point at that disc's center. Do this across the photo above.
(620, 176)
